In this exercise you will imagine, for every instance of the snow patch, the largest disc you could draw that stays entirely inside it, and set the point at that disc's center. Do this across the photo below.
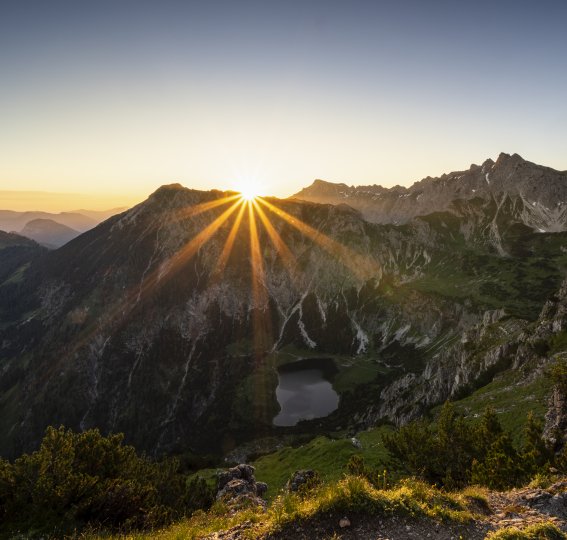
(321, 309)
(308, 341)
(361, 337)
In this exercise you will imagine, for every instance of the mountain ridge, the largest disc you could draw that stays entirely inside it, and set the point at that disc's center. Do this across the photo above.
(542, 207)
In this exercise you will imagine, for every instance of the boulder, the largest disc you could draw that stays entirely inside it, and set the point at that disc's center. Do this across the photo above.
(237, 487)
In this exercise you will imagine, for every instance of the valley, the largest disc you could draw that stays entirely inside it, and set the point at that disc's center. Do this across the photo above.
(134, 326)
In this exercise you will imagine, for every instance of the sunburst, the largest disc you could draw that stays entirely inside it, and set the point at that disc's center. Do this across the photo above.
(249, 190)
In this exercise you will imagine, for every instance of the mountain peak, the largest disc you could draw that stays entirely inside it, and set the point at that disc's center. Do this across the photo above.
(325, 183)
(504, 159)
(167, 189)
(540, 186)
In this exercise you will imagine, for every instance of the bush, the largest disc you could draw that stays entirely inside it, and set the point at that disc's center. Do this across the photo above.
(440, 453)
(79, 478)
(455, 452)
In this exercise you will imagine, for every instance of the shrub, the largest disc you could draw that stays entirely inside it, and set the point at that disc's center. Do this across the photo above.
(500, 468)
(439, 453)
(455, 452)
(79, 478)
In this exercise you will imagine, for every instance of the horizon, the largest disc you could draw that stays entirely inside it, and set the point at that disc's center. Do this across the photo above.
(108, 99)
(59, 202)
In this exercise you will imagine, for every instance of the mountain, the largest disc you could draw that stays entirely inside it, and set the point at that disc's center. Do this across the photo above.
(16, 254)
(48, 233)
(534, 195)
(169, 322)
(15, 221)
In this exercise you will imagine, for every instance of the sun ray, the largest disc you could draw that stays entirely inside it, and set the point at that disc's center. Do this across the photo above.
(261, 320)
(284, 252)
(261, 325)
(227, 249)
(201, 238)
(362, 267)
(200, 208)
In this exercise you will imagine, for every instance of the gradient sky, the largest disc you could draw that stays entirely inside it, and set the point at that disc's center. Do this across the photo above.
(119, 97)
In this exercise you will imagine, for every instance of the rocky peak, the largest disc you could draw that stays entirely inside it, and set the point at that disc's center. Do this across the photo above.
(536, 196)
(506, 159)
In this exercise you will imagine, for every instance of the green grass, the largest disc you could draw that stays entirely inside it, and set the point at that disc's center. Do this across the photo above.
(558, 342)
(538, 531)
(511, 398)
(17, 276)
(410, 498)
(327, 456)
(356, 371)
(520, 283)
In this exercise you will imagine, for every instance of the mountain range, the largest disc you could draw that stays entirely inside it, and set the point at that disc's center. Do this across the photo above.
(52, 230)
(150, 325)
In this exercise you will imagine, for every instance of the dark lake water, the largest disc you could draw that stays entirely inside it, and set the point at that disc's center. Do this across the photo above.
(305, 391)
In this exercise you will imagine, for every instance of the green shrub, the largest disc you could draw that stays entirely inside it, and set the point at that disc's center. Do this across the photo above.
(454, 452)
(440, 453)
(500, 468)
(79, 478)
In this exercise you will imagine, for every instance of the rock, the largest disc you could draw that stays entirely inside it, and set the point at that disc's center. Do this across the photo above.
(302, 478)
(344, 522)
(237, 487)
(356, 443)
(261, 488)
(555, 430)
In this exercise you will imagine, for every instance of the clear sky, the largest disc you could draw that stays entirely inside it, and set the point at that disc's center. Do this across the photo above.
(119, 97)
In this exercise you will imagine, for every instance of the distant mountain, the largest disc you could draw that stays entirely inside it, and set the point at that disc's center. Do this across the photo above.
(148, 324)
(16, 221)
(48, 233)
(81, 220)
(533, 195)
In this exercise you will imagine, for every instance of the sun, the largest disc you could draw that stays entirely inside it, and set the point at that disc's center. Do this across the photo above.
(248, 190)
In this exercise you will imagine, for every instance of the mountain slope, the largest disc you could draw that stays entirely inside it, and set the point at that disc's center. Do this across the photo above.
(16, 253)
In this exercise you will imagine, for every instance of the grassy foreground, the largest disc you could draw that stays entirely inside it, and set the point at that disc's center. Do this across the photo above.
(352, 494)
(539, 531)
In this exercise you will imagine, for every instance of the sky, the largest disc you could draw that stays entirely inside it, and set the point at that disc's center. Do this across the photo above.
(114, 98)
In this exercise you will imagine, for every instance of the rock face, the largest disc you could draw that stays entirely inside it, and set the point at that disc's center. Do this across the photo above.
(150, 325)
(496, 343)
(536, 195)
(556, 419)
(237, 487)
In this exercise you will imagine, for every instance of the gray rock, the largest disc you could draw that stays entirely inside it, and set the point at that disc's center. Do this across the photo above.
(304, 477)
(237, 487)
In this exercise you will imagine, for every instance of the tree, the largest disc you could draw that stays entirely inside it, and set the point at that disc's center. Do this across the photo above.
(536, 453)
(500, 468)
